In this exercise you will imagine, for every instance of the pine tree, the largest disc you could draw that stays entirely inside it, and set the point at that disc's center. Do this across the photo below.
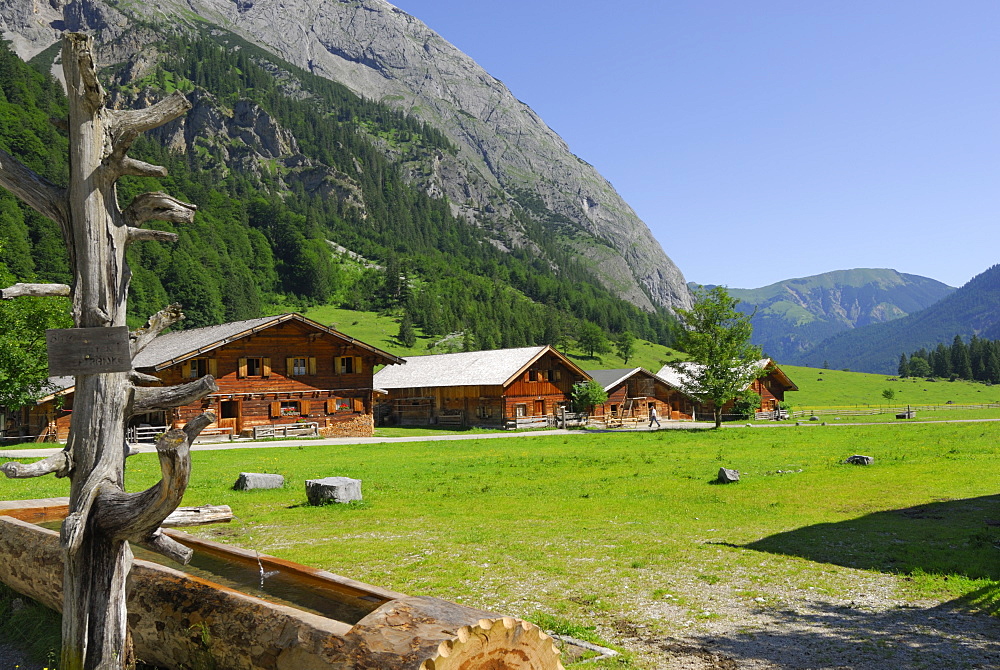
(904, 366)
(961, 363)
(407, 335)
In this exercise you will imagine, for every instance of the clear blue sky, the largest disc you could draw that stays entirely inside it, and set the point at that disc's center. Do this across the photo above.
(766, 140)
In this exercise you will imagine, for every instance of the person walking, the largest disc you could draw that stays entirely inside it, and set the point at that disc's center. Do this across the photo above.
(652, 416)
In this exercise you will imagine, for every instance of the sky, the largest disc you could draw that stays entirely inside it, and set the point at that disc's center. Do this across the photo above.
(766, 140)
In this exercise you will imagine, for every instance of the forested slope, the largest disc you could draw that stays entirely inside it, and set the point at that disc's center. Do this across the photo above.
(284, 165)
(974, 309)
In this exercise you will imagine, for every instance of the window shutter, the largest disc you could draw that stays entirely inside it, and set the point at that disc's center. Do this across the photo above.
(331, 406)
(267, 367)
(336, 365)
(358, 365)
(289, 367)
(312, 365)
(359, 405)
(305, 407)
(213, 367)
(243, 368)
(275, 410)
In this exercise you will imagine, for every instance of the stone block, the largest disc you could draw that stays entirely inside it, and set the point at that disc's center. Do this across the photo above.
(256, 480)
(727, 476)
(333, 489)
(860, 460)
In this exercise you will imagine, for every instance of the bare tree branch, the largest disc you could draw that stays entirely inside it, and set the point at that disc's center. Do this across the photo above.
(58, 464)
(167, 546)
(128, 124)
(36, 290)
(146, 235)
(136, 168)
(156, 324)
(140, 378)
(149, 399)
(37, 192)
(137, 516)
(158, 206)
(79, 45)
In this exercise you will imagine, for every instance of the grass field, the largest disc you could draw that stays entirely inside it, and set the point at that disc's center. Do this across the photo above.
(575, 530)
(848, 390)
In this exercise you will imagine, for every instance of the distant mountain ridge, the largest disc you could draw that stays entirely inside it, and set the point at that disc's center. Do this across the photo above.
(795, 315)
(973, 309)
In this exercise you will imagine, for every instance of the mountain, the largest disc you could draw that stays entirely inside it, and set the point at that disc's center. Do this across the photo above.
(973, 309)
(511, 174)
(793, 316)
(311, 194)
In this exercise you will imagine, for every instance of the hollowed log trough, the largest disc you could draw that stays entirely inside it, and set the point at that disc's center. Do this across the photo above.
(181, 621)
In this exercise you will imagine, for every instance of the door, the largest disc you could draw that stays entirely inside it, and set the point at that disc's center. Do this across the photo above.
(231, 415)
(539, 408)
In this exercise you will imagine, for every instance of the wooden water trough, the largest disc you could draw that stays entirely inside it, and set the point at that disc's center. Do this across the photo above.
(183, 620)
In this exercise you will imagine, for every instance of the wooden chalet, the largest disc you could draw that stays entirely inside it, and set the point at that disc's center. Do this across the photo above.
(504, 387)
(771, 385)
(272, 371)
(633, 392)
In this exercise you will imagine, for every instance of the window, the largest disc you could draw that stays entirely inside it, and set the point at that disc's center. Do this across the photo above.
(298, 367)
(347, 365)
(520, 410)
(556, 374)
(284, 408)
(254, 367)
(199, 367)
(230, 409)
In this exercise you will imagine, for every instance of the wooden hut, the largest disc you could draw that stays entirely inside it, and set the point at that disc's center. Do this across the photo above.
(499, 388)
(272, 371)
(633, 392)
(771, 385)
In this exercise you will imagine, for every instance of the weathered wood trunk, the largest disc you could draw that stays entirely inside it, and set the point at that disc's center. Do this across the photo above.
(103, 518)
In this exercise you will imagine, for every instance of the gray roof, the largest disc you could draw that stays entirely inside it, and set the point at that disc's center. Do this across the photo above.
(683, 381)
(174, 347)
(468, 368)
(611, 378)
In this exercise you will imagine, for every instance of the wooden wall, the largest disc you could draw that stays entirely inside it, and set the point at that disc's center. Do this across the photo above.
(327, 390)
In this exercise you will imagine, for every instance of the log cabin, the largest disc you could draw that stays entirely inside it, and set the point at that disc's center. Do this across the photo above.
(771, 385)
(501, 388)
(271, 371)
(633, 392)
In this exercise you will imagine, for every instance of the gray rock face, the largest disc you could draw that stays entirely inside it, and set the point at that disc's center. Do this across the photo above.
(248, 481)
(333, 489)
(506, 152)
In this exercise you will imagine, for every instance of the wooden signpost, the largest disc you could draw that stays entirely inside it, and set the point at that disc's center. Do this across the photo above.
(88, 351)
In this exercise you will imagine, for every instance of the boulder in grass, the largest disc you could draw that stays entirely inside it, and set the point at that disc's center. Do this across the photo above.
(857, 459)
(333, 489)
(727, 476)
(248, 481)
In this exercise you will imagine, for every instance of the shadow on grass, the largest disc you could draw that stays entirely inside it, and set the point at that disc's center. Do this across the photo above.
(948, 537)
(940, 541)
(825, 635)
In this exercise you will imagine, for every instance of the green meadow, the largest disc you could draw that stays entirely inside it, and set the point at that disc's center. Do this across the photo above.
(571, 531)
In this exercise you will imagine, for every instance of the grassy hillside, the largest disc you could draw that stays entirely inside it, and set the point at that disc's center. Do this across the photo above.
(380, 330)
(836, 388)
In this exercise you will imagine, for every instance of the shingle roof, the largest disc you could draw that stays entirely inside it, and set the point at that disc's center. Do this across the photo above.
(610, 378)
(174, 347)
(682, 380)
(468, 368)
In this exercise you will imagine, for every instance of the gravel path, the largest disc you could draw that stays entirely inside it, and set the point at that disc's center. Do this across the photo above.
(869, 628)
(12, 657)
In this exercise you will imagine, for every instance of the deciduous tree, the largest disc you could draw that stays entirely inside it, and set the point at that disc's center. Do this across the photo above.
(716, 338)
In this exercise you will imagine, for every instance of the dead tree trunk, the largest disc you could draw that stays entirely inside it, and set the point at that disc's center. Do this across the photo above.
(103, 517)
